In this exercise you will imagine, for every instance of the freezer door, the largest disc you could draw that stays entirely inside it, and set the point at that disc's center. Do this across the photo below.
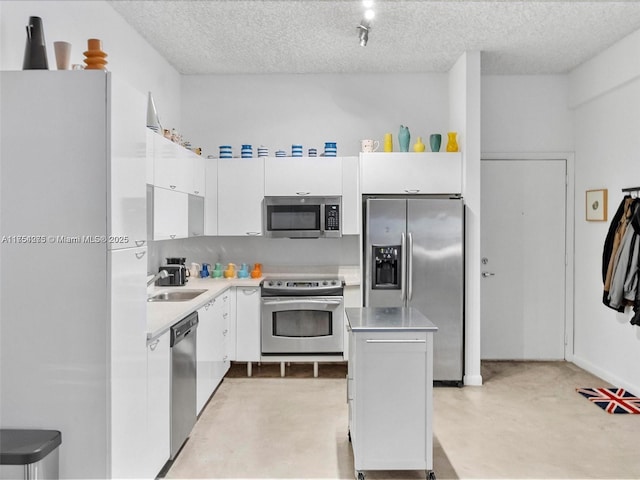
(435, 271)
(386, 223)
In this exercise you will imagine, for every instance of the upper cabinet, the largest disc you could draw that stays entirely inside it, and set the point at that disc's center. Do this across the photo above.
(288, 176)
(177, 168)
(407, 173)
(240, 194)
(127, 224)
(350, 196)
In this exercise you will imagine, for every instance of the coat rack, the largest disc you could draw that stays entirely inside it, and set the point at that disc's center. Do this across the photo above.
(631, 190)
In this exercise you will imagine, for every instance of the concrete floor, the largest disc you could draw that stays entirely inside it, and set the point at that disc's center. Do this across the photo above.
(526, 421)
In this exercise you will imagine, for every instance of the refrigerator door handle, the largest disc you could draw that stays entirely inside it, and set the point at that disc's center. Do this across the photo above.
(410, 268)
(403, 267)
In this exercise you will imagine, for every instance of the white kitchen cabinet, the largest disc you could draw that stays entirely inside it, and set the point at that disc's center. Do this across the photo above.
(206, 354)
(351, 201)
(196, 216)
(73, 359)
(223, 333)
(240, 195)
(211, 197)
(172, 165)
(128, 360)
(313, 176)
(409, 173)
(248, 324)
(198, 175)
(157, 446)
(170, 214)
(127, 221)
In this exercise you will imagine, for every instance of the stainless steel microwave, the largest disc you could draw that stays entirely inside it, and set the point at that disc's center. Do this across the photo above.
(302, 217)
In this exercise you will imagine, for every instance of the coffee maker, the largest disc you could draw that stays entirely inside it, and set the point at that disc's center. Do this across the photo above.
(177, 271)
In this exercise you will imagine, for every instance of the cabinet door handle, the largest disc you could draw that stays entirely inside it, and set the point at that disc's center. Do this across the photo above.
(249, 291)
(139, 255)
(172, 187)
(172, 236)
(254, 234)
(194, 234)
(225, 315)
(417, 190)
(139, 243)
(196, 192)
(154, 345)
(225, 331)
(397, 341)
(303, 193)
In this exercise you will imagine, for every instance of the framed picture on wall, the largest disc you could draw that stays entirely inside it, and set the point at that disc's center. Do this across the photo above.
(596, 205)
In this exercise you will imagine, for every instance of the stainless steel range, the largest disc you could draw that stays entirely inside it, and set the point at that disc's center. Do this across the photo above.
(302, 317)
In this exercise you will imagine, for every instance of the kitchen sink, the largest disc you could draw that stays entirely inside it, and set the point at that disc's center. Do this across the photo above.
(175, 296)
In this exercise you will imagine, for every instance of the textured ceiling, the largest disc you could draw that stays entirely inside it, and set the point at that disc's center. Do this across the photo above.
(320, 36)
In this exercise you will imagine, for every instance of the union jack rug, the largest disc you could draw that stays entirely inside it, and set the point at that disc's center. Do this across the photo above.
(612, 400)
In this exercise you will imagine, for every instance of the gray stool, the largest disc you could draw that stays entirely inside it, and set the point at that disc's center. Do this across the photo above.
(29, 454)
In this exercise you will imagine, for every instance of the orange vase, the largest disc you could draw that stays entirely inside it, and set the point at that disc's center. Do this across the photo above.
(94, 56)
(452, 142)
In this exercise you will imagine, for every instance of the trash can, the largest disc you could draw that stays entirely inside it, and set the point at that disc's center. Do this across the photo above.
(29, 454)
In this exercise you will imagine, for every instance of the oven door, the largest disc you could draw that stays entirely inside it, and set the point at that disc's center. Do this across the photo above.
(302, 325)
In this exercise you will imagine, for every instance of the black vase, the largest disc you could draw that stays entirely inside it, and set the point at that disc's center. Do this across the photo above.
(35, 52)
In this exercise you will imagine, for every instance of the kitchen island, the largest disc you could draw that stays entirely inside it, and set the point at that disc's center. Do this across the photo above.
(390, 389)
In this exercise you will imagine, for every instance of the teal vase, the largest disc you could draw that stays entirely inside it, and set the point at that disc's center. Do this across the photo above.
(404, 138)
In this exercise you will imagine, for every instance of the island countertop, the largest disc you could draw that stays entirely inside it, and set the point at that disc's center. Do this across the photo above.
(371, 319)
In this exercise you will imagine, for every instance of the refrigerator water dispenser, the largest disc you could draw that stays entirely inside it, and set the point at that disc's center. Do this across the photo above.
(386, 267)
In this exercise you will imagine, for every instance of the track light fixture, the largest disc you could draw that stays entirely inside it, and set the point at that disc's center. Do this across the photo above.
(363, 32)
(365, 23)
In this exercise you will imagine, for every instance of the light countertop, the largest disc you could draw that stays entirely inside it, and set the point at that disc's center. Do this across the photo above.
(371, 319)
(162, 315)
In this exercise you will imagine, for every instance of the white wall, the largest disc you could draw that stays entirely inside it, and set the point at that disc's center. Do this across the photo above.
(464, 118)
(526, 113)
(607, 121)
(280, 110)
(272, 253)
(129, 55)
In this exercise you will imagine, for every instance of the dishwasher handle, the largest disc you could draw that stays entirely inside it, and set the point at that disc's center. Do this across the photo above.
(183, 328)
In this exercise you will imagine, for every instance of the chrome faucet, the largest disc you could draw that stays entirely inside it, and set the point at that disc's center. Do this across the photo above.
(160, 274)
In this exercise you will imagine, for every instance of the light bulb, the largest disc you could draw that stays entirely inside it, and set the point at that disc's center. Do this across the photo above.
(369, 14)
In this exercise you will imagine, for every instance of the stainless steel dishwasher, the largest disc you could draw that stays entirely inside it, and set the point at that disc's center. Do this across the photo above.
(183, 380)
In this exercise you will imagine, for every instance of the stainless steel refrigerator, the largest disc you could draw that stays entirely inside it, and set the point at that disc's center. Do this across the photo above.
(414, 256)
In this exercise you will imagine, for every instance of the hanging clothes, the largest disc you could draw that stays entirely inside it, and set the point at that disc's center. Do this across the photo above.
(621, 259)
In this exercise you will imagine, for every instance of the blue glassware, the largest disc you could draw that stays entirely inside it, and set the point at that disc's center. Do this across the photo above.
(204, 273)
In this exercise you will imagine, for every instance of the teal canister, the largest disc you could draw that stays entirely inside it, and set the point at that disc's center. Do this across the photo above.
(404, 138)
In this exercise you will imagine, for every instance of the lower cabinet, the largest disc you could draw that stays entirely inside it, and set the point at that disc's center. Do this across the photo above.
(128, 366)
(222, 355)
(205, 354)
(389, 393)
(248, 324)
(158, 405)
(212, 353)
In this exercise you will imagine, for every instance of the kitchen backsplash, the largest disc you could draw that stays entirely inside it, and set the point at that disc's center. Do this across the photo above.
(282, 253)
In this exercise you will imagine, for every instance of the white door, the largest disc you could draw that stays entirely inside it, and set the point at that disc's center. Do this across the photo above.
(523, 255)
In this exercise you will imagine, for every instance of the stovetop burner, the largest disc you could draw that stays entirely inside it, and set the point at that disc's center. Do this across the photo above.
(297, 287)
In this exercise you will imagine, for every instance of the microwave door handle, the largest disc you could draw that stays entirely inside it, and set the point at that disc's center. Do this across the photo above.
(403, 269)
(322, 218)
(323, 301)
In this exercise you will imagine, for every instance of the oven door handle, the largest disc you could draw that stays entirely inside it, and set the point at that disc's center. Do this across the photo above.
(315, 300)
